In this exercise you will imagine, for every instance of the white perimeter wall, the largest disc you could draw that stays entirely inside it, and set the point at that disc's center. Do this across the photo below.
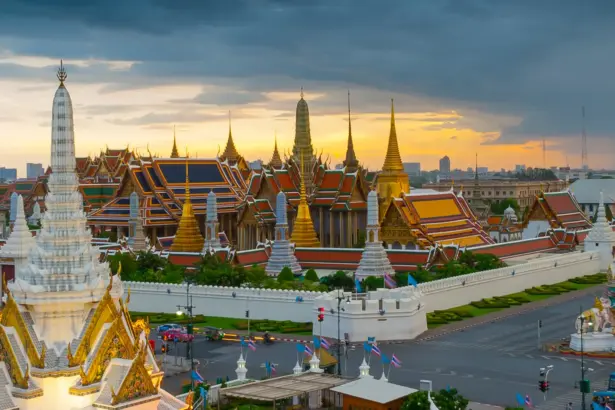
(547, 270)
(437, 295)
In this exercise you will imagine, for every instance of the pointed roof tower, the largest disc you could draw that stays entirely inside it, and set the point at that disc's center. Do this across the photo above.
(174, 153)
(230, 152)
(303, 151)
(351, 163)
(392, 180)
(304, 235)
(392, 161)
(276, 160)
(20, 241)
(188, 237)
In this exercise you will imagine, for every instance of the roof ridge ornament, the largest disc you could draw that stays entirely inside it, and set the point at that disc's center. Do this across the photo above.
(62, 76)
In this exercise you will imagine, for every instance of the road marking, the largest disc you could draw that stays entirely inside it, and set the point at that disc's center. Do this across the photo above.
(529, 355)
(599, 362)
(511, 354)
(545, 357)
(562, 358)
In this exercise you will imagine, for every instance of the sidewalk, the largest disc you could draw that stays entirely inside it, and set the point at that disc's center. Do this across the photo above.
(506, 313)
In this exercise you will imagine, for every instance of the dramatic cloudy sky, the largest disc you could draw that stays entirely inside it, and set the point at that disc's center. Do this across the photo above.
(487, 76)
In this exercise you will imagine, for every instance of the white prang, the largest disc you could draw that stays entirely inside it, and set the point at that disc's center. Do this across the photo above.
(63, 271)
(212, 226)
(601, 237)
(374, 260)
(20, 241)
(282, 253)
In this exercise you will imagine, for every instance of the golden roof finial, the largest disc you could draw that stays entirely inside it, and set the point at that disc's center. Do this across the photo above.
(392, 161)
(276, 160)
(174, 152)
(230, 151)
(303, 234)
(188, 237)
(302, 92)
(62, 76)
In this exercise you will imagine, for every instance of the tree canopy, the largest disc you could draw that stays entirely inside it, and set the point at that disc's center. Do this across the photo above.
(498, 208)
(444, 399)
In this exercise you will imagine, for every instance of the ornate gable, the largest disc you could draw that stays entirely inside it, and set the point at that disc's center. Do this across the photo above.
(394, 227)
(137, 384)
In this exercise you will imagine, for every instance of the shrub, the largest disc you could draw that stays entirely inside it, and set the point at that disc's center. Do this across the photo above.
(286, 275)
(311, 276)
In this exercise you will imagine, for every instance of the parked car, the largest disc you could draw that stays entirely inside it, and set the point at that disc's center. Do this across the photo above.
(169, 326)
(177, 334)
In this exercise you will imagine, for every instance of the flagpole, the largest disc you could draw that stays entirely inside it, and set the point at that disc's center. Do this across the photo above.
(389, 372)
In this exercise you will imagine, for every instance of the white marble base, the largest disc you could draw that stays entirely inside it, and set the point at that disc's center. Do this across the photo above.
(593, 342)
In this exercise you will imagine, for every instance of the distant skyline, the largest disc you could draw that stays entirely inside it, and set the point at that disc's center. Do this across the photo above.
(478, 76)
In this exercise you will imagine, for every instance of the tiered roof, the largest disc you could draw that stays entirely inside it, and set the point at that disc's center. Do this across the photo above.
(440, 218)
(161, 183)
(560, 210)
(32, 190)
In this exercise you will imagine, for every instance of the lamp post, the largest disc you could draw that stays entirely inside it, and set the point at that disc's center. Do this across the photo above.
(584, 385)
(340, 298)
(188, 308)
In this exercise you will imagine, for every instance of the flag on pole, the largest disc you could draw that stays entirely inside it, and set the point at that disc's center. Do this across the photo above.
(357, 285)
(528, 401)
(252, 345)
(316, 342)
(376, 350)
(242, 341)
(371, 339)
(520, 399)
(196, 376)
(395, 361)
(204, 396)
(412, 281)
(389, 282)
(324, 343)
(272, 368)
(300, 348)
(385, 359)
(367, 347)
(307, 350)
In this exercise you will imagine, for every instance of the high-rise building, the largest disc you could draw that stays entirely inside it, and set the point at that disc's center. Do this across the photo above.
(413, 169)
(445, 165)
(8, 174)
(519, 167)
(34, 170)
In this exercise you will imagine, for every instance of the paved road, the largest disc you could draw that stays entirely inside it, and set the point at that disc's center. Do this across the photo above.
(488, 363)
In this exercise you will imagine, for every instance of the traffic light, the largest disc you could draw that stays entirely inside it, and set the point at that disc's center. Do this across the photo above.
(539, 323)
(247, 314)
(584, 386)
(321, 314)
(190, 328)
(543, 386)
(547, 386)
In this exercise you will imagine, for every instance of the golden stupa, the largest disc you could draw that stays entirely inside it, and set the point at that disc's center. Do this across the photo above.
(304, 235)
(392, 180)
(188, 237)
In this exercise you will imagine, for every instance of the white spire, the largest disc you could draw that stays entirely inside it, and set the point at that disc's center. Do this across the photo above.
(63, 259)
(35, 218)
(20, 241)
(13, 210)
(212, 239)
(241, 369)
(364, 369)
(383, 378)
(601, 231)
(297, 369)
(282, 253)
(212, 207)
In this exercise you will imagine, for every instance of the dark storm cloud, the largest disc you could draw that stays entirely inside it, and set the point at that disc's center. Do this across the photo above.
(536, 60)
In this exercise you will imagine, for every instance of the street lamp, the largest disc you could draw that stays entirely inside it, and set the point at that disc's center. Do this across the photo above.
(340, 298)
(188, 308)
(584, 383)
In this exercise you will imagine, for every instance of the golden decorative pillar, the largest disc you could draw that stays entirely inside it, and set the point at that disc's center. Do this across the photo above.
(303, 234)
(188, 237)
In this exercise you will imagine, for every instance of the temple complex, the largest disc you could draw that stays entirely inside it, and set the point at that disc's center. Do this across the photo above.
(392, 180)
(188, 237)
(66, 337)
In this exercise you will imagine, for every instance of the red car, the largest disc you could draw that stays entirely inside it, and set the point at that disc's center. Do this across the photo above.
(176, 334)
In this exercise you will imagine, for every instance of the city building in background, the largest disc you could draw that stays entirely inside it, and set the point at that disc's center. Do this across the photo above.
(8, 174)
(587, 194)
(445, 165)
(34, 170)
(413, 169)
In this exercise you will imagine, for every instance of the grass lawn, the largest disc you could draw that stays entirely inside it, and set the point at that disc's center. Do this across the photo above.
(440, 318)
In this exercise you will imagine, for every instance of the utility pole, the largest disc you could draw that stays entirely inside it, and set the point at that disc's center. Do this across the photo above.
(584, 383)
(538, 328)
(188, 308)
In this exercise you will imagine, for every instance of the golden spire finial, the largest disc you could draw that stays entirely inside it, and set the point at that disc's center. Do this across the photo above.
(392, 161)
(302, 92)
(303, 234)
(61, 73)
(302, 194)
(188, 236)
(187, 178)
(351, 163)
(174, 152)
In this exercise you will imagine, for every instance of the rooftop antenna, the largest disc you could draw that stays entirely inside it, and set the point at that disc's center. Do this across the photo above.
(584, 163)
(544, 153)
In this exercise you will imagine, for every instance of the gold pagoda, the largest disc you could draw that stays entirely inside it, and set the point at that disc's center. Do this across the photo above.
(392, 180)
(304, 235)
(188, 237)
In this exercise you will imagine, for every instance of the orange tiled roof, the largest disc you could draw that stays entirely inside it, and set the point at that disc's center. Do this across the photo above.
(561, 210)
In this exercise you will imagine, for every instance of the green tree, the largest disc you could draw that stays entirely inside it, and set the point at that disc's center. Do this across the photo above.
(338, 280)
(311, 275)
(257, 276)
(498, 208)
(607, 211)
(172, 274)
(444, 400)
(286, 275)
(373, 283)
(148, 260)
(129, 266)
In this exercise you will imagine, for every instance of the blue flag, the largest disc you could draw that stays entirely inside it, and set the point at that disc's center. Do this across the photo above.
(204, 396)
(242, 341)
(316, 342)
(300, 347)
(412, 281)
(520, 400)
(358, 286)
(385, 359)
(371, 339)
(367, 347)
(268, 368)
